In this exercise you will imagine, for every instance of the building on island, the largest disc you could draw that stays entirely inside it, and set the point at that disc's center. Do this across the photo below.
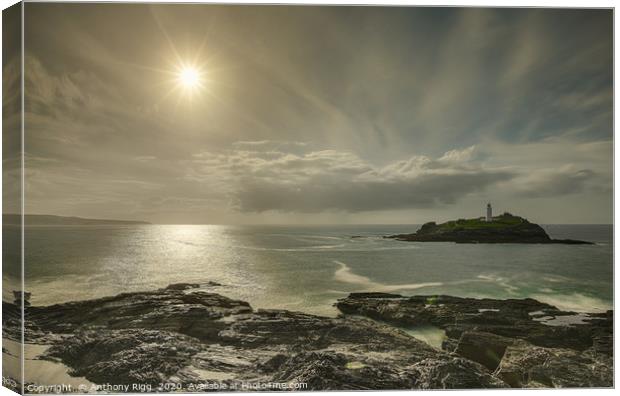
(489, 212)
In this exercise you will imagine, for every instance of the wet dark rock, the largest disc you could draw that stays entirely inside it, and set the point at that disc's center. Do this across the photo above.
(526, 343)
(171, 309)
(526, 365)
(11, 320)
(446, 374)
(187, 336)
(183, 286)
(514, 318)
(449, 344)
(329, 371)
(20, 296)
(125, 356)
(188, 286)
(484, 348)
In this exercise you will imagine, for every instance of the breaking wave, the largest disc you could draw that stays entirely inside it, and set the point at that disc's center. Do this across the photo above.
(576, 302)
(346, 275)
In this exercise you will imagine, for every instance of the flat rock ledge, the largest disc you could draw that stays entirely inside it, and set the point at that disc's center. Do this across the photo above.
(203, 341)
(522, 342)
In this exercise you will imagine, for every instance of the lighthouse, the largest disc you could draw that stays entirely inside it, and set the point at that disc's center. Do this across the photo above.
(489, 212)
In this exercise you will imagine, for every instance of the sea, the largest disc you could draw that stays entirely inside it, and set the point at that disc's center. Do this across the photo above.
(307, 268)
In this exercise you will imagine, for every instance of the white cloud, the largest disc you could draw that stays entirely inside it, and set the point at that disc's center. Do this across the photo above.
(456, 156)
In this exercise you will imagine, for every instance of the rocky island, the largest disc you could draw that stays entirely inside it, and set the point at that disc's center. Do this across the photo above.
(189, 336)
(505, 228)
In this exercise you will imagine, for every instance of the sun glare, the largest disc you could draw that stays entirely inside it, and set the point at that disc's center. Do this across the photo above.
(187, 80)
(189, 77)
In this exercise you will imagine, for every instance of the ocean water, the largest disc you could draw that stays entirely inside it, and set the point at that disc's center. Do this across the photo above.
(308, 268)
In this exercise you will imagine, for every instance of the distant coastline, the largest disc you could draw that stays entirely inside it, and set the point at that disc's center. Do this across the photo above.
(15, 219)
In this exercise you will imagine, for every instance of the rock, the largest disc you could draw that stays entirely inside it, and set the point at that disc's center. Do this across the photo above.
(526, 365)
(331, 371)
(518, 360)
(195, 314)
(484, 348)
(513, 318)
(188, 337)
(503, 229)
(528, 343)
(20, 296)
(183, 286)
(188, 286)
(191, 337)
(454, 373)
(449, 344)
(125, 356)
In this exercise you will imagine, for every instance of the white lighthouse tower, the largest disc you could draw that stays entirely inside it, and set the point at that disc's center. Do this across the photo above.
(489, 212)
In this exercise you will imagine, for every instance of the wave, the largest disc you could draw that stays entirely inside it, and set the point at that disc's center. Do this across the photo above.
(296, 249)
(346, 275)
(313, 243)
(576, 302)
(500, 281)
(336, 248)
(305, 236)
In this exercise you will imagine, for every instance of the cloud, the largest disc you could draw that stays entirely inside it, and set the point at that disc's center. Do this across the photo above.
(341, 181)
(455, 156)
(555, 182)
(268, 143)
(145, 158)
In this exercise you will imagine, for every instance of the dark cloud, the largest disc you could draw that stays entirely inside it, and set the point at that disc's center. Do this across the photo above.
(332, 180)
(333, 193)
(556, 183)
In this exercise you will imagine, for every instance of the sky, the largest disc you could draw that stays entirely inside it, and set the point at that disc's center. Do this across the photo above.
(317, 114)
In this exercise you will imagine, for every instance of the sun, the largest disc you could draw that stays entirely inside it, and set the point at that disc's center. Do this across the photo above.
(189, 77)
(188, 81)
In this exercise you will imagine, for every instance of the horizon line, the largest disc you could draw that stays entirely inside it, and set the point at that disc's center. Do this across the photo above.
(147, 222)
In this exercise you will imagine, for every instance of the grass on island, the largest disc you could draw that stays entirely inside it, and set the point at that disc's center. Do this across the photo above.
(504, 220)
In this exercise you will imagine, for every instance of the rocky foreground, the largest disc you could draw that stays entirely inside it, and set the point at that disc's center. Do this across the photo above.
(197, 339)
(522, 342)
